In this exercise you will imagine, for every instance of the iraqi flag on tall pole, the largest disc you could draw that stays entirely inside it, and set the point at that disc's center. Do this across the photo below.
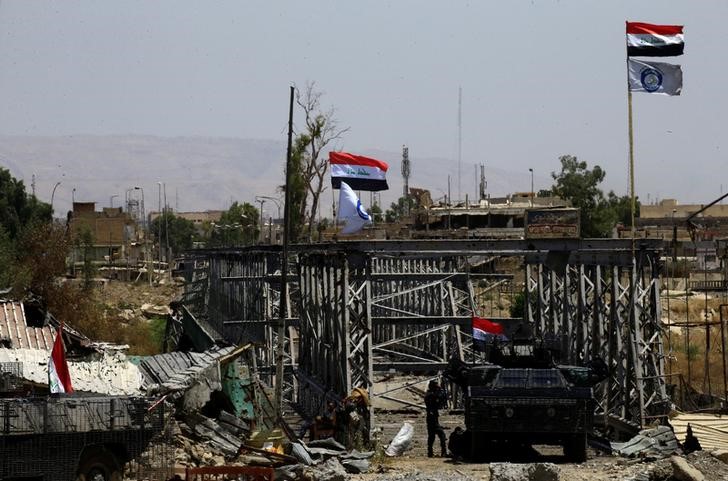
(359, 172)
(648, 40)
(59, 379)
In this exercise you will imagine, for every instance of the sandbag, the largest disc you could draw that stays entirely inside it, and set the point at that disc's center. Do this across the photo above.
(402, 441)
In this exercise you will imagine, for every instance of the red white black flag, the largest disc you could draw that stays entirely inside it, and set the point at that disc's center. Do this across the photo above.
(361, 173)
(648, 40)
(59, 379)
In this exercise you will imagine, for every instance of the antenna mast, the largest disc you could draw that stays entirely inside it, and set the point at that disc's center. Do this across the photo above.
(406, 169)
(460, 134)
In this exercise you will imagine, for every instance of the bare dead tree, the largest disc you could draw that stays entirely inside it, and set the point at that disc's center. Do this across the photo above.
(321, 129)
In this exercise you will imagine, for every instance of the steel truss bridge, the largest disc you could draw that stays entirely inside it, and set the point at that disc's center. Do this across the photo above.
(358, 310)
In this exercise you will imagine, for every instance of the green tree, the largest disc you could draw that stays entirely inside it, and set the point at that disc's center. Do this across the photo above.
(376, 212)
(580, 185)
(310, 167)
(238, 226)
(622, 207)
(18, 209)
(399, 209)
(299, 189)
(181, 231)
(85, 244)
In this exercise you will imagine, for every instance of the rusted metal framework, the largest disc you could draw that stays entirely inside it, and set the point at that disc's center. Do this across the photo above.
(359, 308)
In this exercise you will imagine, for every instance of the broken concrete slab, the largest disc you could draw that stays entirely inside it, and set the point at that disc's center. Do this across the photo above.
(356, 466)
(683, 471)
(524, 472)
(331, 470)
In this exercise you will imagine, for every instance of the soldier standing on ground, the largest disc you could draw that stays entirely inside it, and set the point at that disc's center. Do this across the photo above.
(434, 401)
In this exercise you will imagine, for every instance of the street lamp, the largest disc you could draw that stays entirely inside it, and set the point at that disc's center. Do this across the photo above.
(159, 222)
(111, 200)
(73, 196)
(143, 213)
(262, 201)
(53, 194)
(277, 202)
(531, 171)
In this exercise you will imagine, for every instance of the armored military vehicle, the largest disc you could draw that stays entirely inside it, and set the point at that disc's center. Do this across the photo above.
(521, 396)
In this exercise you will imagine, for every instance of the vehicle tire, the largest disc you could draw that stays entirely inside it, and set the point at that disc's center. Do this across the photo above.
(575, 448)
(99, 465)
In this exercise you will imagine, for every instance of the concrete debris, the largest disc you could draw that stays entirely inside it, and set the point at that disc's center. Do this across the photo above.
(330, 470)
(682, 471)
(151, 311)
(356, 466)
(721, 454)
(524, 472)
(658, 442)
(292, 472)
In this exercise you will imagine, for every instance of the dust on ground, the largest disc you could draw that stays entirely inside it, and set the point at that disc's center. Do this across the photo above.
(414, 465)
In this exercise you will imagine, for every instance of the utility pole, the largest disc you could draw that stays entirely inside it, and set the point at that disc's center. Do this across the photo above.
(166, 228)
(159, 222)
(531, 171)
(32, 184)
(283, 309)
(261, 201)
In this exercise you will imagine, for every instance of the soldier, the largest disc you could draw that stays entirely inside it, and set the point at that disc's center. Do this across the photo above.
(435, 400)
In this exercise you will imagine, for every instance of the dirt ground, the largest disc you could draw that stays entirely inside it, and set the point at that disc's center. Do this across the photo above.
(416, 466)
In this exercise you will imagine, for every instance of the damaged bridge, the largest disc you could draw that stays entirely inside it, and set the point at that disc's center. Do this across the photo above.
(359, 308)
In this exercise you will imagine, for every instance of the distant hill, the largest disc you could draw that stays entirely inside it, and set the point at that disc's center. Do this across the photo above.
(203, 173)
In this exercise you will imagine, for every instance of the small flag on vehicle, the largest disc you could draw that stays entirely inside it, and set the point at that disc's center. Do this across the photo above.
(485, 330)
(59, 379)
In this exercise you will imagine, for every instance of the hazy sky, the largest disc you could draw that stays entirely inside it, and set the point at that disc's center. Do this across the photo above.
(539, 78)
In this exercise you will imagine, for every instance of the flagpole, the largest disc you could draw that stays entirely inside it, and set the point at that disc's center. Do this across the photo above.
(633, 208)
(631, 144)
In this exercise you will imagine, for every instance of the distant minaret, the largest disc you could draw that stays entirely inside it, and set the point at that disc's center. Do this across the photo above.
(483, 183)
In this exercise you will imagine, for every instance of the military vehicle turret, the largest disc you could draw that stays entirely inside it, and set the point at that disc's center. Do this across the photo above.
(521, 396)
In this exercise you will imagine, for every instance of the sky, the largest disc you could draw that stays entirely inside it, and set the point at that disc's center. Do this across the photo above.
(539, 79)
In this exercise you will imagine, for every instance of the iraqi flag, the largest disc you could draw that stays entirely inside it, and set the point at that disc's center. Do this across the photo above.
(361, 173)
(485, 330)
(59, 380)
(648, 40)
(351, 211)
(655, 77)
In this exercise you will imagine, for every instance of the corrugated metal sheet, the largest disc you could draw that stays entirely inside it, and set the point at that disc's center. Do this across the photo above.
(14, 328)
(179, 368)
